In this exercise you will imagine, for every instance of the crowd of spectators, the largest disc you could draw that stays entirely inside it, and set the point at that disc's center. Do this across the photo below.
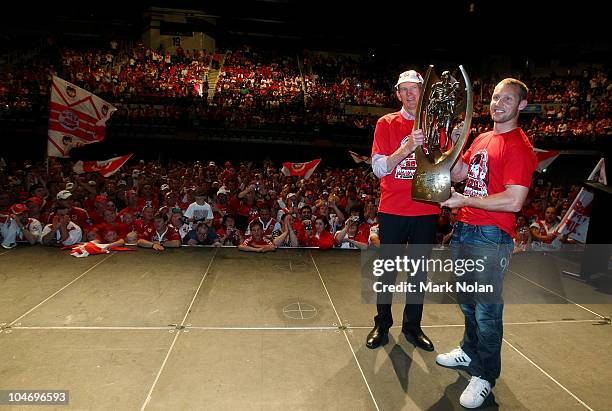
(277, 89)
(256, 208)
(251, 206)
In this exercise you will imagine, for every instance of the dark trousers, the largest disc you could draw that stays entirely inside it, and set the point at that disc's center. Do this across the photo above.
(420, 232)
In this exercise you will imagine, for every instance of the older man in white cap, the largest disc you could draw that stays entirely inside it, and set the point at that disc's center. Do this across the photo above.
(77, 215)
(401, 219)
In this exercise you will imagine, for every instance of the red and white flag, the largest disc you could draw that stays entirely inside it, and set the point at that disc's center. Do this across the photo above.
(76, 117)
(545, 158)
(575, 223)
(106, 167)
(360, 159)
(300, 169)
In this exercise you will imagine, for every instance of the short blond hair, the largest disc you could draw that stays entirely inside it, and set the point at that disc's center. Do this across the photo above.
(522, 88)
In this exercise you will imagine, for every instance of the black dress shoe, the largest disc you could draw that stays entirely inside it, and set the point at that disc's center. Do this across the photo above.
(377, 337)
(419, 339)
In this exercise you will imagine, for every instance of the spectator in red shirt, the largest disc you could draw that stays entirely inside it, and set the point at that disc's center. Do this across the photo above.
(77, 214)
(256, 242)
(304, 222)
(285, 228)
(147, 195)
(536, 211)
(129, 221)
(99, 206)
(220, 207)
(146, 220)
(320, 237)
(161, 235)
(267, 222)
(131, 199)
(34, 204)
(351, 200)
(247, 207)
(349, 236)
(111, 225)
(228, 233)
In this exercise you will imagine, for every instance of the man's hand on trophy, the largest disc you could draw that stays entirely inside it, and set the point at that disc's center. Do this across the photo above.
(414, 140)
(456, 200)
(457, 132)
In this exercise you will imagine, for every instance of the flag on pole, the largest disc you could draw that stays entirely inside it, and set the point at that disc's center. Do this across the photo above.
(545, 158)
(575, 222)
(105, 168)
(76, 117)
(360, 159)
(300, 169)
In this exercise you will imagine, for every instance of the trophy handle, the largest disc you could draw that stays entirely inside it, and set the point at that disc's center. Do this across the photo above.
(426, 85)
(450, 157)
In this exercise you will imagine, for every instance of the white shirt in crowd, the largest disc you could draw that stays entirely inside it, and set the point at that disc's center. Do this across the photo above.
(199, 212)
(11, 234)
(74, 233)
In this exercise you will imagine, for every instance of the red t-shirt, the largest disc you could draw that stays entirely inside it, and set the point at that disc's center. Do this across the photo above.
(121, 229)
(233, 239)
(251, 242)
(140, 226)
(267, 228)
(494, 161)
(324, 242)
(128, 210)
(150, 234)
(396, 187)
(96, 218)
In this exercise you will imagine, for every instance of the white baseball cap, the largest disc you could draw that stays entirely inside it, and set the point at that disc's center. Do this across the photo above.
(64, 195)
(164, 187)
(223, 190)
(409, 76)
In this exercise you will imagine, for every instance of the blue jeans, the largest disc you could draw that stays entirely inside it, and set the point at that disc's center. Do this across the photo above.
(483, 311)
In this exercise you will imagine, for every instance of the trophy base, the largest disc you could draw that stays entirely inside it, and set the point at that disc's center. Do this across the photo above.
(433, 185)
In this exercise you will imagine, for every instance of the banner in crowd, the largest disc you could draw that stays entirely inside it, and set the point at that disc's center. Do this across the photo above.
(300, 169)
(105, 168)
(76, 117)
(545, 158)
(360, 159)
(575, 222)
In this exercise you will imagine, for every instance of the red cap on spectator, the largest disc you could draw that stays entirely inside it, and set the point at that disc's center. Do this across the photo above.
(101, 199)
(18, 208)
(131, 193)
(35, 200)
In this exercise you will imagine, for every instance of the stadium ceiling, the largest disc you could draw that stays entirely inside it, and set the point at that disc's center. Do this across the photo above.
(517, 27)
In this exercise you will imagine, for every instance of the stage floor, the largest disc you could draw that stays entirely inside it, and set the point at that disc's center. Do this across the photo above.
(219, 329)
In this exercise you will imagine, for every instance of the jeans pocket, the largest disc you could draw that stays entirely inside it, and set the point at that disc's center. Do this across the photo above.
(489, 235)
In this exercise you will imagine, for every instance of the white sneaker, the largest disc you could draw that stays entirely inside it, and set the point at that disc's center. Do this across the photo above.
(455, 358)
(475, 393)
